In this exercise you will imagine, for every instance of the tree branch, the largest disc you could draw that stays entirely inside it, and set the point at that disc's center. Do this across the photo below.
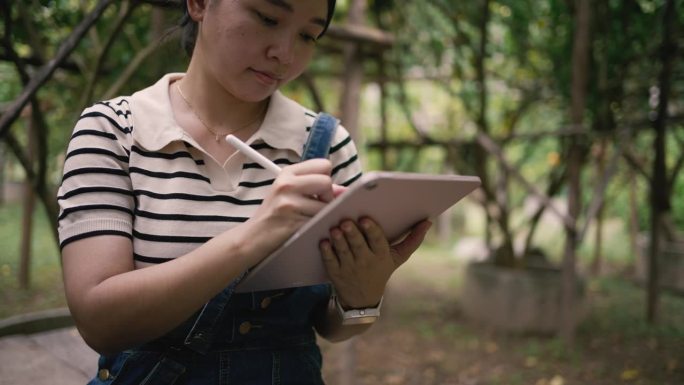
(636, 163)
(492, 148)
(599, 192)
(125, 12)
(37, 180)
(313, 91)
(133, 67)
(44, 74)
(680, 162)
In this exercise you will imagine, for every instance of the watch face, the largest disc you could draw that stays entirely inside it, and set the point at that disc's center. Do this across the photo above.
(358, 316)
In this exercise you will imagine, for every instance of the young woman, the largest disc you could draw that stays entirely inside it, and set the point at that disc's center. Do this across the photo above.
(160, 217)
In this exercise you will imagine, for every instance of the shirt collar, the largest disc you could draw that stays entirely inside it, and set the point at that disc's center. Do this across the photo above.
(154, 126)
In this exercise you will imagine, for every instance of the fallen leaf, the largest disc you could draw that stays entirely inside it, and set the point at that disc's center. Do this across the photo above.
(629, 374)
(557, 380)
(531, 362)
(672, 365)
(491, 347)
(436, 356)
(474, 344)
(394, 379)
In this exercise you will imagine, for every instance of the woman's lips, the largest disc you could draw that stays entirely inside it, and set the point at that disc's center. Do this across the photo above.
(266, 77)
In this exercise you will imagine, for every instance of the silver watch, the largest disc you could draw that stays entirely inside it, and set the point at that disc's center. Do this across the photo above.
(358, 316)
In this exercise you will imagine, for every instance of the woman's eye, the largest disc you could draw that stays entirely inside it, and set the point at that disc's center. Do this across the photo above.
(308, 38)
(267, 20)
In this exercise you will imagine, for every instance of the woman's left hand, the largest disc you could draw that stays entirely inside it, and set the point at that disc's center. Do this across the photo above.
(360, 260)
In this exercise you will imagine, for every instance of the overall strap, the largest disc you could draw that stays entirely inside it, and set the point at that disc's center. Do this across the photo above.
(202, 333)
(320, 137)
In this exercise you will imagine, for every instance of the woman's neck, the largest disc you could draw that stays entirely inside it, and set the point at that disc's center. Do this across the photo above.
(214, 105)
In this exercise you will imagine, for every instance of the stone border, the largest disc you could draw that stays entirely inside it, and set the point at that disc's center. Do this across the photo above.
(36, 322)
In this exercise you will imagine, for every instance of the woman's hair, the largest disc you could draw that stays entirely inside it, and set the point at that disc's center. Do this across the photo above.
(189, 26)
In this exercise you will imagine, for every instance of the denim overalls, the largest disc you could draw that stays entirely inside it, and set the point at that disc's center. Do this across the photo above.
(247, 338)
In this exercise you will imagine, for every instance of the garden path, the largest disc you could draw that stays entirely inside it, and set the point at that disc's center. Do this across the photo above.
(56, 357)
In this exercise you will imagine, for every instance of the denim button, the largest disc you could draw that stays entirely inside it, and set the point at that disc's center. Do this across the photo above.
(265, 302)
(103, 374)
(245, 327)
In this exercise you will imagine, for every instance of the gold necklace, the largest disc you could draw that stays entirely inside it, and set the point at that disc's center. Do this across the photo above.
(207, 126)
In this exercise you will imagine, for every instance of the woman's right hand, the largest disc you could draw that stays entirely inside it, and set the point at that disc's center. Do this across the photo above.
(298, 193)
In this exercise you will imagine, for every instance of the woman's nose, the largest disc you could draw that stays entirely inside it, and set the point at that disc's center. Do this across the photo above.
(282, 49)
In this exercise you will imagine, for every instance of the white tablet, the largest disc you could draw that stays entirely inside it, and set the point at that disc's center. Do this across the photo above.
(397, 201)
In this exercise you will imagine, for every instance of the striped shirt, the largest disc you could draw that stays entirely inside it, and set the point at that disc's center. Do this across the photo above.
(130, 170)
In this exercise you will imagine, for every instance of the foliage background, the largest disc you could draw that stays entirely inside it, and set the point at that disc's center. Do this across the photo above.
(444, 81)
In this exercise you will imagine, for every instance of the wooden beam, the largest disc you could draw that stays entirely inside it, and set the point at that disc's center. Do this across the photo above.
(361, 34)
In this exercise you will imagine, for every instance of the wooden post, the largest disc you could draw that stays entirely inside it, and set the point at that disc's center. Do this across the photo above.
(353, 76)
(660, 191)
(29, 200)
(382, 83)
(580, 63)
(349, 107)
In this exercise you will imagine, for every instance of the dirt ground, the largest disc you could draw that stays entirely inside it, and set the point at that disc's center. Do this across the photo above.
(423, 338)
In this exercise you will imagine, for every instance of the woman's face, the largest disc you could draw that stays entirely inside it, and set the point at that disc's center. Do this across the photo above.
(252, 47)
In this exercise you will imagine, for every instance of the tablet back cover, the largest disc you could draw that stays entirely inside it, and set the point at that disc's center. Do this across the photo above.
(397, 201)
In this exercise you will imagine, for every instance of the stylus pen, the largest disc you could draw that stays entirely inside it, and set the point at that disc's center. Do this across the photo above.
(253, 154)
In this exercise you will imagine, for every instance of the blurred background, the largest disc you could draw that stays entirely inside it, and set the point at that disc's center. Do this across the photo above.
(566, 267)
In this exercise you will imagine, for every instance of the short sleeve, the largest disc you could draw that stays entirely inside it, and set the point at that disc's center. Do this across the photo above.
(345, 158)
(95, 196)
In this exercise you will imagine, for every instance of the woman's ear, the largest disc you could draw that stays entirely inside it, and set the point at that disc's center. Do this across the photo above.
(197, 8)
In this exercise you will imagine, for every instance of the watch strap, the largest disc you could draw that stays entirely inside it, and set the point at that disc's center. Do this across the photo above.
(358, 316)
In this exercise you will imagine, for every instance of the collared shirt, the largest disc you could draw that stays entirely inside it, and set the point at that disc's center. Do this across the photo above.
(131, 170)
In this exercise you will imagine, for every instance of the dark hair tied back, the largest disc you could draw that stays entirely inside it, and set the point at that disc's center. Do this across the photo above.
(189, 26)
(188, 30)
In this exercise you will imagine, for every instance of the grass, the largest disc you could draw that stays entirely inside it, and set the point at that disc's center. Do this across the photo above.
(620, 306)
(424, 338)
(46, 289)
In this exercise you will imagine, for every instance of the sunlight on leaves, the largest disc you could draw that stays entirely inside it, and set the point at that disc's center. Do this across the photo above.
(556, 380)
(531, 362)
(629, 374)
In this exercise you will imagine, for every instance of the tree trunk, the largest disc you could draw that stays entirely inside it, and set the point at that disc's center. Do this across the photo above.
(580, 60)
(383, 112)
(480, 154)
(597, 262)
(634, 243)
(660, 191)
(2, 173)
